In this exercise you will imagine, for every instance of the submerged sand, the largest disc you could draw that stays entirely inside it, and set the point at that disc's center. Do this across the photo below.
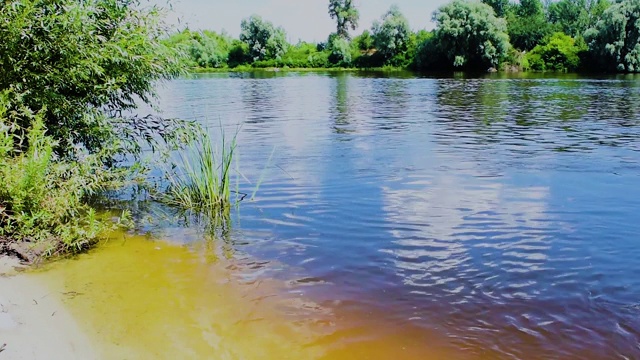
(137, 299)
(34, 324)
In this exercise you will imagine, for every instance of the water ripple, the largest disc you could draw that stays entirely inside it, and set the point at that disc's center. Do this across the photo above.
(501, 212)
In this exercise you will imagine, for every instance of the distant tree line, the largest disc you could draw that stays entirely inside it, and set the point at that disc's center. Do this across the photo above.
(562, 35)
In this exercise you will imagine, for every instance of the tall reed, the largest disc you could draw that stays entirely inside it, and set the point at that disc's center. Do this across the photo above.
(199, 179)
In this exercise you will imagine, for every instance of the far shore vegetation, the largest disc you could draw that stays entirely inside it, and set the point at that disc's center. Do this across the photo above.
(487, 35)
(74, 73)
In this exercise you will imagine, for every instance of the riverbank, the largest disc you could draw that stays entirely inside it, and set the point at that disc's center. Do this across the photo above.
(199, 70)
(141, 299)
(135, 298)
(132, 298)
(34, 324)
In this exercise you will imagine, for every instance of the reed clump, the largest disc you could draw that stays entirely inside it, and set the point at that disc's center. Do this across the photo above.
(199, 177)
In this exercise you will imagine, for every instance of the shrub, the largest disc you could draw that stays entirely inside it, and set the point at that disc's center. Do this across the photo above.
(303, 55)
(238, 54)
(44, 200)
(82, 65)
(340, 51)
(364, 41)
(559, 52)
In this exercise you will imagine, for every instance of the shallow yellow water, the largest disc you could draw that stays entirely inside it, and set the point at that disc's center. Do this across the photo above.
(140, 299)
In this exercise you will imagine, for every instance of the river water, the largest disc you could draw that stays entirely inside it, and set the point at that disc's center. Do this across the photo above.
(496, 217)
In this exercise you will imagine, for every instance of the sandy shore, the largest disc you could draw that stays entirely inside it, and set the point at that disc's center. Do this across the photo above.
(34, 324)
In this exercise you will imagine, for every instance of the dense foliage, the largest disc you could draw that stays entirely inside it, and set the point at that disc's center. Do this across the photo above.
(264, 40)
(469, 34)
(340, 51)
(42, 199)
(615, 39)
(574, 17)
(558, 52)
(82, 65)
(527, 24)
(500, 7)
(391, 36)
(71, 71)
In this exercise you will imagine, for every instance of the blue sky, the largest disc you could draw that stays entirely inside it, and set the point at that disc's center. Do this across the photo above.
(303, 19)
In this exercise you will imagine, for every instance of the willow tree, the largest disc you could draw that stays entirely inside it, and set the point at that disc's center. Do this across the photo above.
(265, 41)
(83, 65)
(614, 42)
(346, 16)
(391, 35)
(469, 35)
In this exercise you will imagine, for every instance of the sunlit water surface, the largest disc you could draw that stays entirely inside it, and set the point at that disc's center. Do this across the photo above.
(413, 217)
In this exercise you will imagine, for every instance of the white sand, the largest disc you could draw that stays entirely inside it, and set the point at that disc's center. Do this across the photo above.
(34, 325)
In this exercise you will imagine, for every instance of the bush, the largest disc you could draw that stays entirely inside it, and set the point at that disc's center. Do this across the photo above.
(429, 56)
(340, 51)
(82, 65)
(559, 52)
(420, 50)
(304, 55)
(364, 41)
(205, 49)
(527, 32)
(42, 200)
(239, 54)
(369, 60)
(71, 70)
(516, 61)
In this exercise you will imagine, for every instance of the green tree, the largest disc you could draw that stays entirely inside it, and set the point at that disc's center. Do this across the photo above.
(527, 24)
(571, 16)
(468, 35)
(364, 41)
(499, 6)
(391, 36)
(597, 9)
(206, 49)
(238, 53)
(614, 41)
(346, 16)
(82, 65)
(265, 41)
(340, 50)
(528, 8)
(559, 52)
(574, 17)
(421, 50)
(526, 33)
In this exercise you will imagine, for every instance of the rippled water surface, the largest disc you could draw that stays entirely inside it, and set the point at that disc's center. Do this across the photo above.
(502, 214)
